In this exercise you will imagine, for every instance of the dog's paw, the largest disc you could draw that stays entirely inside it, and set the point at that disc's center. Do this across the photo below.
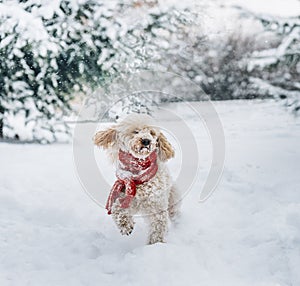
(124, 221)
(153, 240)
(126, 229)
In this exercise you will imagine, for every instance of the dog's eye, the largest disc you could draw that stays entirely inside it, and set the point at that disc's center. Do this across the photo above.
(135, 132)
(152, 132)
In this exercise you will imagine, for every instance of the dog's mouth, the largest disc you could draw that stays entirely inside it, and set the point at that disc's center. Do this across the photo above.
(144, 148)
(141, 151)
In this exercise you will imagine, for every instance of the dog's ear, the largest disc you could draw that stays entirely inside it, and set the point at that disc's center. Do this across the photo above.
(105, 138)
(165, 149)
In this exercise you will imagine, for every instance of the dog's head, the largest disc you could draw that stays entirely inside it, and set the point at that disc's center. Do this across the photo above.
(137, 135)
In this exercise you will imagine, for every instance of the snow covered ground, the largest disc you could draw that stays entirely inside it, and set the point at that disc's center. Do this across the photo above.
(247, 233)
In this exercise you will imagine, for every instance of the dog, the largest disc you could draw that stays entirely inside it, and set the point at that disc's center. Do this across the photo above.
(144, 186)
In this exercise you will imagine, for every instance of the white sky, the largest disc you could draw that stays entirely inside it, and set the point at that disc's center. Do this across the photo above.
(284, 8)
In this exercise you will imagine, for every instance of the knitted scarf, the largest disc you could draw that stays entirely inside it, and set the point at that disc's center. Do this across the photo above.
(131, 172)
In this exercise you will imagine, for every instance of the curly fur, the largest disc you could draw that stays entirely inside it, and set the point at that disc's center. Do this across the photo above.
(156, 199)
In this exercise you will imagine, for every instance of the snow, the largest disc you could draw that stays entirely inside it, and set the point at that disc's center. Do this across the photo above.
(247, 233)
(29, 26)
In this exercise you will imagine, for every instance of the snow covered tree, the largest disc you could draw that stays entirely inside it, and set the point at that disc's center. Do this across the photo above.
(173, 40)
(276, 70)
(218, 65)
(55, 50)
(153, 39)
(49, 51)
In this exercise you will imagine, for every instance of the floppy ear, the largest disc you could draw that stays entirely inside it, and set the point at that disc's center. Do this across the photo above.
(105, 138)
(165, 149)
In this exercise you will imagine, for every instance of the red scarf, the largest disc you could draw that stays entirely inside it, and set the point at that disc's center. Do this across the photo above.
(131, 172)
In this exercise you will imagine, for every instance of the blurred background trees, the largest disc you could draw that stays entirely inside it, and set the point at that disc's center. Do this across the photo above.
(52, 53)
(276, 70)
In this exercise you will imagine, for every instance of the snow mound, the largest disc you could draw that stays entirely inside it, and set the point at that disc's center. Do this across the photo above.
(247, 233)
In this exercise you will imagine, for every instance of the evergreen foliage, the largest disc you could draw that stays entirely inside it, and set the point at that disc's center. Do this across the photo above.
(49, 53)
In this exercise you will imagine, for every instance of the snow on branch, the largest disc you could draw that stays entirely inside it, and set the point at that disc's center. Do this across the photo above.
(292, 97)
(272, 56)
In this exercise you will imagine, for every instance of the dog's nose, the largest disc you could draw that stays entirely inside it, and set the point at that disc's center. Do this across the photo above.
(146, 142)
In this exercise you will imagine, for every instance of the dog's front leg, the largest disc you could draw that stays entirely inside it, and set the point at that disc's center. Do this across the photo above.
(158, 224)
(123, 220)
(174, 204)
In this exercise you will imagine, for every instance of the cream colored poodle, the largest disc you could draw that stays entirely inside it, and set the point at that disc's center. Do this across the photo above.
(139, 150)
